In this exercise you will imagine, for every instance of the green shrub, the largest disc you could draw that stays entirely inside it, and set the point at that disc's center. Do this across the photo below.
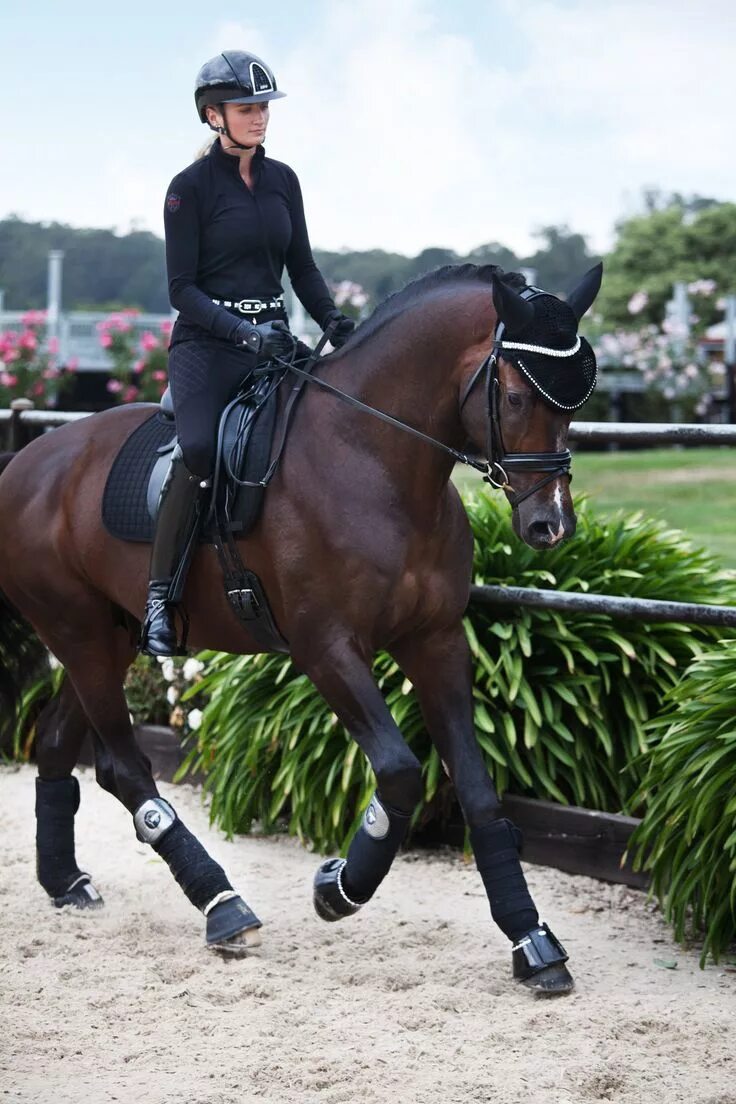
(688, 835)
(34, 697)
(561, 702)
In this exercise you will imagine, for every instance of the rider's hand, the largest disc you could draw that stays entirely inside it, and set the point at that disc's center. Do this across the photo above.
(343, 328)
(276, 340)
(247, 334)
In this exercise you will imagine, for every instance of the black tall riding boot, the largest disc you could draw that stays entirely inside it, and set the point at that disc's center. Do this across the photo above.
(180, 509)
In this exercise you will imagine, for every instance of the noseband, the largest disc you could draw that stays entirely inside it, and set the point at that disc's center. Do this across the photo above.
(501, 462)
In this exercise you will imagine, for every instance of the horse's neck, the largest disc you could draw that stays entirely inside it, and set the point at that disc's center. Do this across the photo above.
(407, 370)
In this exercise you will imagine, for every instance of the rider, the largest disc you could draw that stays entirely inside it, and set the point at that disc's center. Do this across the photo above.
(233, 219)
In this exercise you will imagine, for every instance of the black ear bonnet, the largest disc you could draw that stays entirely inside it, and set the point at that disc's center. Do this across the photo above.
(565, 380)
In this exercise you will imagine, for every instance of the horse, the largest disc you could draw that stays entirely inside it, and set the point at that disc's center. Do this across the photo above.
(362, 544)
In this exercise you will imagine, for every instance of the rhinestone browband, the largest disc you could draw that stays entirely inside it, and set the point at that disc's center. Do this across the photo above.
(541, 348)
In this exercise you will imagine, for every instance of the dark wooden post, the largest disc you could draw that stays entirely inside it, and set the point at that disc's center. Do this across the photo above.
(18, 435)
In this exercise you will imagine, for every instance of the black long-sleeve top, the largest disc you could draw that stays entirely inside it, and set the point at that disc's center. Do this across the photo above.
(226, 241)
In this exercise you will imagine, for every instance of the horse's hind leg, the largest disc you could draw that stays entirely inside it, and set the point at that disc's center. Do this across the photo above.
(60, 730)
(439, 666)
(91, 650)
(344, 679)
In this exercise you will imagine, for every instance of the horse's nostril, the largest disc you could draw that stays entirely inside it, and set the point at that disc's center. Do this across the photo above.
(540, 529)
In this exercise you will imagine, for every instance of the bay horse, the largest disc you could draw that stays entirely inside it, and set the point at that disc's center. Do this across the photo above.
(363, 544)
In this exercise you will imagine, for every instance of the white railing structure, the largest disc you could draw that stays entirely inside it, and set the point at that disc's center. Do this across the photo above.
(79, 339)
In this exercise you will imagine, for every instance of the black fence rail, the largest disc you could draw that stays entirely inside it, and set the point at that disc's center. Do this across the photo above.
(22, 415)
(653, 433)
(633, 609)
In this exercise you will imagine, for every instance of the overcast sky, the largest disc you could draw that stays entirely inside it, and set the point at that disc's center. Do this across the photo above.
(409, 122)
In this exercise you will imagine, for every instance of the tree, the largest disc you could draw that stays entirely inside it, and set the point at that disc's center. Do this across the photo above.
(686, 242)
(562, 259)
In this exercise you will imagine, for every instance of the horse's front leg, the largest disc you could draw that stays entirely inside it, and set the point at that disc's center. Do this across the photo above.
(343, 677)
(439, 666)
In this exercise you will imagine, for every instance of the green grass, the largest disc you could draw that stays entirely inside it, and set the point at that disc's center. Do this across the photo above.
(690, 489)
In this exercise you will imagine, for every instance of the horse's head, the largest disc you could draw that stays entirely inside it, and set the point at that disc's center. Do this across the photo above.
(539, 372)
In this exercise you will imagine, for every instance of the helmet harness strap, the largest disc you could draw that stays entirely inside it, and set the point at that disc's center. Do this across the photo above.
(226, 131)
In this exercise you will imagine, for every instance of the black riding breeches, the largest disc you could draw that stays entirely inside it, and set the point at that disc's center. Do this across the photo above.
(205, 373)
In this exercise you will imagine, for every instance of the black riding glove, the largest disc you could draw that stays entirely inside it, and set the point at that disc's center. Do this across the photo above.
(343, 328)
(276, 340)
(267, 339)
(247, 334)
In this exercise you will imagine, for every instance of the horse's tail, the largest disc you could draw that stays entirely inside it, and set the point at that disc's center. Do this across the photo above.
(23, 658)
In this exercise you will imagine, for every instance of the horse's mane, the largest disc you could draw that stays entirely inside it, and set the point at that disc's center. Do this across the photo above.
(389, 307)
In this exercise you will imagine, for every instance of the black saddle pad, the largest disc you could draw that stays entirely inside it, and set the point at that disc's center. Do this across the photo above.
(125, 510)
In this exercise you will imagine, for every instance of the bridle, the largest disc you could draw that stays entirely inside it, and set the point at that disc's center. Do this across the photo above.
(498, 463)
(501, 462)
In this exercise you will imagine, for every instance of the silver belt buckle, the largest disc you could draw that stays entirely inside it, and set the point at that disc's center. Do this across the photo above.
(250, 306)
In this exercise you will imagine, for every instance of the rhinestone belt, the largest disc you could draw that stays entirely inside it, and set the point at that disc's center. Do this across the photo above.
(252, 306)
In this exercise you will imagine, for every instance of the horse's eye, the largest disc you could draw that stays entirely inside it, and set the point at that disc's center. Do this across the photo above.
(514, 399)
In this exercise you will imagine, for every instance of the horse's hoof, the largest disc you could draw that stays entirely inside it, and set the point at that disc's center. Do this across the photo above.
(81, 894)
(239, 945)
(551, 980)
(232, 928)
(538, 960)
(331, 902)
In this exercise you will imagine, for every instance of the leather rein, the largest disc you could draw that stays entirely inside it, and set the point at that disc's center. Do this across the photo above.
(499, 462)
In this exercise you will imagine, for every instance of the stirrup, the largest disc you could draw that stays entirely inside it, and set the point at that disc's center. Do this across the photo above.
(171, 609)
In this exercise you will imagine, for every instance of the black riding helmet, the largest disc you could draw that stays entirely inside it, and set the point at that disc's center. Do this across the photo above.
(234, 77)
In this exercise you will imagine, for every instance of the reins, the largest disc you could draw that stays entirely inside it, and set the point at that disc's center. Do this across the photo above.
(494, 468)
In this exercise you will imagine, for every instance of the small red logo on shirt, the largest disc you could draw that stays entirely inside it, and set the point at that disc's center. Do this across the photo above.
(173, 202)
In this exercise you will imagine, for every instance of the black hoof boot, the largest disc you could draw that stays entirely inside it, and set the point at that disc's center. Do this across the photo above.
(232, 927)
(331, 902)
(538, 960)
(81, 894)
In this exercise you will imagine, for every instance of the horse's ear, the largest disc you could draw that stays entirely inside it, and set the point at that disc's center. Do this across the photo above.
(581, 299)
(516, 313)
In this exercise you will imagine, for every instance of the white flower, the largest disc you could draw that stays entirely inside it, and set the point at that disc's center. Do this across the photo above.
(191, 668)
(172, 695)
(168, 670)
(701, 287)
(637, 302)
(194, 719)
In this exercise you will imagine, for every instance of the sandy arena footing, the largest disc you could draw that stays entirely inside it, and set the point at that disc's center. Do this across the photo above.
(411, 999)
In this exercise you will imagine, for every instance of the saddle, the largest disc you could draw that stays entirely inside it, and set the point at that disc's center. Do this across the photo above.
(244, 442)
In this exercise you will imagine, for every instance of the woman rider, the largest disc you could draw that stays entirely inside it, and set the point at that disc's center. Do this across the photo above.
(233, 219)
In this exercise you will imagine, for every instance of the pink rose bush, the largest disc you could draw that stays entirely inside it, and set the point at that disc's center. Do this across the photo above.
(350, 297)
(28, 365)
(667, 356)
(139, 371)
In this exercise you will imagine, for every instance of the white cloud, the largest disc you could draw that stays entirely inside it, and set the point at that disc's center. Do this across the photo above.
(406, 134)
(232, 35)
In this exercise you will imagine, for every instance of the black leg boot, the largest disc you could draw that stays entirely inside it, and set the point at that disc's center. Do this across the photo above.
(181, 507)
